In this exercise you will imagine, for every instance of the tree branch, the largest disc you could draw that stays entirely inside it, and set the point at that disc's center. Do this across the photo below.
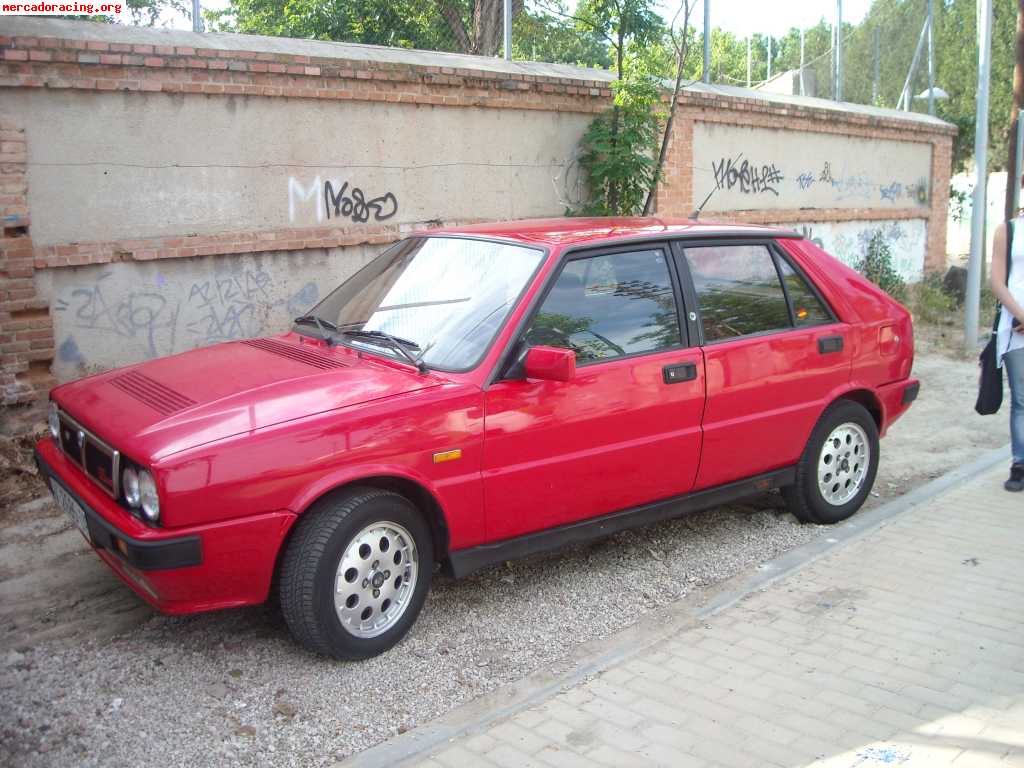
(682, 49)
(453, 18)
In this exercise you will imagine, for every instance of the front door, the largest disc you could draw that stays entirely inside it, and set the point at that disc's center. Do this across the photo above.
(774, 355)
(626, 430)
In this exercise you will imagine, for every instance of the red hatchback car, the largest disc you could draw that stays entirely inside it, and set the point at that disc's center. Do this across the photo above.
(479, 394)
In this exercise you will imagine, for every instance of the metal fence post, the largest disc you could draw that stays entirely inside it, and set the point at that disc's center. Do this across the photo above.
(197, 17)
(931, 60)
(978, 211)
(838, 90)
(508, 30)
(707, 41)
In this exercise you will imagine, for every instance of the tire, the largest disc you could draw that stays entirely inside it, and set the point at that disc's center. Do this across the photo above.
(344, 545)
(825, 497)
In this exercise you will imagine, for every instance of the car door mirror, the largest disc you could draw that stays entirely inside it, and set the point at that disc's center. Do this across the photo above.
(550, 363)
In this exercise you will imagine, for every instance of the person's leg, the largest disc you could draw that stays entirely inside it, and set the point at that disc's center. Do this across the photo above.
(1014, 364)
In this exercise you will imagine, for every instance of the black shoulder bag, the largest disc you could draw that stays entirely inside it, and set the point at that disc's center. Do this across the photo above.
(990, 379)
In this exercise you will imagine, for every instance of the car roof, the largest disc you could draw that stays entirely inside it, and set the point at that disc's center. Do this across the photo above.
(570, 231)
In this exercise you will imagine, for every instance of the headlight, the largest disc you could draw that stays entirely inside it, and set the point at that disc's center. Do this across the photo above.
(147, 496)
(54, 419)
(132, 491)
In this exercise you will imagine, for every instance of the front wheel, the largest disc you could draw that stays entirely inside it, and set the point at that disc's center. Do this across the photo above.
(837, 469)
(355, 573)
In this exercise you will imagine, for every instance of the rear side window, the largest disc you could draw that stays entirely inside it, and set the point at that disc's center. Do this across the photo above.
(609, 306)
(738, 290)
(807, 307)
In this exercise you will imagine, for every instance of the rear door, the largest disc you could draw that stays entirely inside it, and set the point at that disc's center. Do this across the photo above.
(774, 355)
(623, 432)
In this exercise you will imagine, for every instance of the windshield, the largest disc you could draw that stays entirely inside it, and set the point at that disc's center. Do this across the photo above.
(441, 298)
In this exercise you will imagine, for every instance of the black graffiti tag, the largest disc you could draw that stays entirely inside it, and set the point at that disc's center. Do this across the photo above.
(356, 206)
(749, 178)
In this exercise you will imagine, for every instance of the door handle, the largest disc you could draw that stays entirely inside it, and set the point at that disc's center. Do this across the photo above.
(674, 374)
(829, 344)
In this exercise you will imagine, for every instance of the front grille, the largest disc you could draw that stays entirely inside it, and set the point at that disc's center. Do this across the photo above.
(99, 461)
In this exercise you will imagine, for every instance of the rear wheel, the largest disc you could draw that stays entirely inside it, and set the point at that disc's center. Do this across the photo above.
(355, 573)
(837, 469)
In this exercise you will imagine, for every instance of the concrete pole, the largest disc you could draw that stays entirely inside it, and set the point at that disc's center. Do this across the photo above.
(707, 41)
(974, 266)
(748, 61)
(1014, 160)
(769, 57)
(197, 17)
(838, 91)
(878, 66)
(931, 59)
(508, 30)
(803, 87)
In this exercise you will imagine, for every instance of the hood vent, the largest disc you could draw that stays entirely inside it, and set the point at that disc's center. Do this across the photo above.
(296, 353)
(157, 396)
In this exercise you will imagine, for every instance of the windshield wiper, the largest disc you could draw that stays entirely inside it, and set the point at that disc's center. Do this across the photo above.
(400, 345)
(321, 324)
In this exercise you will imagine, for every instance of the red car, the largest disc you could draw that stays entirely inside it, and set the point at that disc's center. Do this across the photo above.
(479, 394)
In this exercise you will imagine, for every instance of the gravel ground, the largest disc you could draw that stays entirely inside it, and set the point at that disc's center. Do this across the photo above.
(89, 676)
(231, 688)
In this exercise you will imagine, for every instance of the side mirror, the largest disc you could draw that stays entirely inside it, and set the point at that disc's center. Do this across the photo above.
(551, 363)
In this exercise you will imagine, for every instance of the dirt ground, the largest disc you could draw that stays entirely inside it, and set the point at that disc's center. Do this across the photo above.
(52, 588)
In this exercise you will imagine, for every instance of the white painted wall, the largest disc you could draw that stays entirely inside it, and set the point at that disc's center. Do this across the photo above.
(848, 241)
(765, 169)
(109, 315)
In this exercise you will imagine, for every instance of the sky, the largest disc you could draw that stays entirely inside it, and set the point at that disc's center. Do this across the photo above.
(741, 17)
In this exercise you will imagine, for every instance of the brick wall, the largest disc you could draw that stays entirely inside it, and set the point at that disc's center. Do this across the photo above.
(72, 60)
(26, 332)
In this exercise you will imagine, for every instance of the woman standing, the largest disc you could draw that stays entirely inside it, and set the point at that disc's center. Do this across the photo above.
(1010, 332)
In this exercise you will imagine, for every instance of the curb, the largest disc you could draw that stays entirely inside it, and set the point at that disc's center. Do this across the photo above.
(594, 657)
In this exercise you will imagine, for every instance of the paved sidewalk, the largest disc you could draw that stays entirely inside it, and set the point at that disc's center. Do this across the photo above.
(901, 648)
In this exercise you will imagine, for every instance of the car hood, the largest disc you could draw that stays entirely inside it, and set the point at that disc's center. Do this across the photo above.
(158, 408)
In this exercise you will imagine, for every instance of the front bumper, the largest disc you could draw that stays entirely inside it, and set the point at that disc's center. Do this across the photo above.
(184, 570)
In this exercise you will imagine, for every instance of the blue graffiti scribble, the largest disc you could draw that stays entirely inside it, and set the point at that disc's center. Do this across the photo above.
(69, 352)
(884, 755)
(892, 192)
(805, 179)
(303, 299)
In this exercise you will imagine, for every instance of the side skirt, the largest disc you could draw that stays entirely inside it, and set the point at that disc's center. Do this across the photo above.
(466, 561)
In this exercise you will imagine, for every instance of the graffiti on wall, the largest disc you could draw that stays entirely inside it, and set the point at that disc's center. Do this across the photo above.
(333, 199)
(756, 168)
(848, 241)
(103, 318)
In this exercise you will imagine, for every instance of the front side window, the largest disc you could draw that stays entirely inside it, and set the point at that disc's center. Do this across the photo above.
(609, 306)
(444, 299)
(738, 290)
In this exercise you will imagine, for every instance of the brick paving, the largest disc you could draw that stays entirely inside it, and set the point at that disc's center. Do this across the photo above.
(902, 648)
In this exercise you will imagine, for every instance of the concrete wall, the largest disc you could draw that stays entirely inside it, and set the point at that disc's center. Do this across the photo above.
(848, 241)
(104, 315)
(162, 190)
(767, 169)
(142, 165)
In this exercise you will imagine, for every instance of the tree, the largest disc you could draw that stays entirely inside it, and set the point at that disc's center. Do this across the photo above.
(479, 29)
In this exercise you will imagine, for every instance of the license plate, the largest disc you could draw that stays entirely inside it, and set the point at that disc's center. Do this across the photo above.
(71, 508)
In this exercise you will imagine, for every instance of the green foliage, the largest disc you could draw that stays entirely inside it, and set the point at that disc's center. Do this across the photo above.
(547, 33)
(929, 301)
(620, 145)
(877, 267)
(619, 148)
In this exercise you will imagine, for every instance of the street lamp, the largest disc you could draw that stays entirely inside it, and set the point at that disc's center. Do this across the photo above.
(936, 93)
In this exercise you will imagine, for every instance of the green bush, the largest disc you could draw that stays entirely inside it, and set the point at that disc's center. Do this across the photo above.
(877, 267)
(930, 303)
